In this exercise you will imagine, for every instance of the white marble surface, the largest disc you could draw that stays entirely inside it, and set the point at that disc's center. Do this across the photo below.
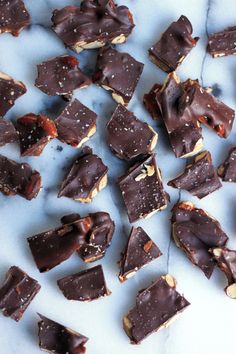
(207, 326)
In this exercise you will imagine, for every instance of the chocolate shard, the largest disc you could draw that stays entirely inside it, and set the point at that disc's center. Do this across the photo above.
(10, 91)
(70, 218)
(199, 177)
(17, 292)
(142, 189)
(150, 103)
(87, 285)
(140, 250)
(14, 16)
(76, 124)
(222, 43)
(18, 178)
(35, 131)
(129, 137)
(55, 338)
(118, 73)
(195, 232)
(156, 307)
(8, 132)
(87, 177)
(60, 76)
(227, 171)
(175, 44)
(94, 24)
(226, 261)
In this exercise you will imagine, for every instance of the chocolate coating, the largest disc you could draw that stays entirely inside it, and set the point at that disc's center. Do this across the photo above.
(14, 16)
(10, 91)
(227, 171)
(17, 292)
(150, 103)
(129, 137)
(8, 132)
(175, 44)
(222, 43)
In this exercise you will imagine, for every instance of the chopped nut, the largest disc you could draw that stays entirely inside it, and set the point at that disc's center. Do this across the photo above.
(170, 280)
(148, 246)
(231, 291)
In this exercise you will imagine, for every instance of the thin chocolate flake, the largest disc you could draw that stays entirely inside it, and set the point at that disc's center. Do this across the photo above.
(14, 16)
(8, 132)
(227, 171)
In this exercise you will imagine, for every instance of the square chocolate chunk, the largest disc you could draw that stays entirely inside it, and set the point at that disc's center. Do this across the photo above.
(227, 171)
(142, 190)
(8, 132)
(14, 16)
(222, 43)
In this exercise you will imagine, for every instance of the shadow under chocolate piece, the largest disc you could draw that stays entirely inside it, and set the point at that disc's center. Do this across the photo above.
(87, 177)
(14, 17)
(18, 178)
(140, 250)
(222, 43)
(199, 177)
(35, 131)
(157, 307)
(142, 190)
(150, 102)
(8, 132)
(195, 232)
(129, 137)
(10, 91)
(76, 124)
(17, 292)
(87, 285)
(175, 44)
(94, 24)
(118, 73)
(55, 338)
(227, 171)
(61, 76)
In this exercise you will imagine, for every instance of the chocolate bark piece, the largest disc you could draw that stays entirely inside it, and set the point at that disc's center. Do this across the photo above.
(87, 285)
(118, 73)
(18, 178)
(14, 16)
(10, 90)
(195, 232)
(199, 177)
(35, 131)
(222, 43)
(140, 250)
(17, 292)
(150, 103)
(175, 44)
(142, 189)
(55, 338)
(94, 24)
(156, 307)
(87, 177)
(226, 261)
(76, 124)
(8, 132)
(61, 76)
(227, 171)
(129, 137)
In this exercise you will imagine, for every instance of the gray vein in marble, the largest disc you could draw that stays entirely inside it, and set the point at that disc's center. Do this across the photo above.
(208, 9)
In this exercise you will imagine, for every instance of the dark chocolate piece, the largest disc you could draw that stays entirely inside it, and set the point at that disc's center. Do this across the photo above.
(129, 137)
(35, 131)
(227, 171)
(54, 338)
(195, 232)
(18, 178)
(8, 132)
(118, 73)
(142, 190)
(10, 90)
(87, 177)
(150, 103)
(222, 43)
(199, 177)
(87, 285)
(140, 250)
(173, 47)
(60, 76)
(156, 307)
(17, 292)
(94, 24)
(76, 124)
(14, 16)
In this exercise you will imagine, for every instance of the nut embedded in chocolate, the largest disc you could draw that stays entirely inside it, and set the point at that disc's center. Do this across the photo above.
(93, 25)
(227, 171)
(14, 16)
(76, 124)
(118, 73)
(17, 292)
(222, 43)
(156, 307)
(8, 132)
(140, 250)
(175, 44)
(150, 103)
(129, 137)
(87, 285)
(199, 177)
